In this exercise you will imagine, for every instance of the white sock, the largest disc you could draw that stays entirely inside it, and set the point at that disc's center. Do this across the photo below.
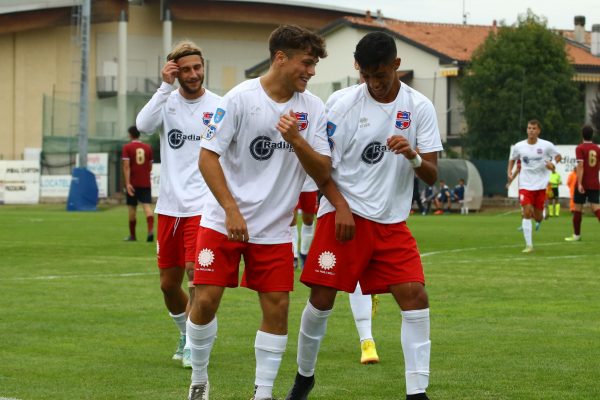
(179, 320)
(201, 339)
(361, 310)
(268, 349)
(294, 232)
(416, 347)
(526, 224)
(306, 236)
(313, 326)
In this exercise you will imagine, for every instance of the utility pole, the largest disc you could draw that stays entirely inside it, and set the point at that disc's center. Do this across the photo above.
(83, 92)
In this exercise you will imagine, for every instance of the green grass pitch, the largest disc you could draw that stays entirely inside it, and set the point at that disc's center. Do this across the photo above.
(82, 316)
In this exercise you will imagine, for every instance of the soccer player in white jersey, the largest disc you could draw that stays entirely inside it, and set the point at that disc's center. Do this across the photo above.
(183, 114)
(374, 130)
(538, 157)
(363, 306)
(266, 134)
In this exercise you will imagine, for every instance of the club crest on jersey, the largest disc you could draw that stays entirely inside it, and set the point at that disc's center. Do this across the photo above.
(539, 151)
(206, 118)
(403, 120)
(302, 118)
(219, 115)
(210, 131)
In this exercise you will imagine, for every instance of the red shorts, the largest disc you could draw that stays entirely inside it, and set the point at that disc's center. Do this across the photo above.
(267, 267)
(308, 202)
(534, 197)
(176, 240)
(379, 255)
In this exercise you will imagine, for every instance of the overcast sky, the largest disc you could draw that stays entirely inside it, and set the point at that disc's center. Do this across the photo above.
(559, 13)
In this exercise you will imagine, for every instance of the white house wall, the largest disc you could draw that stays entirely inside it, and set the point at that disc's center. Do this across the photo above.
(339, 66)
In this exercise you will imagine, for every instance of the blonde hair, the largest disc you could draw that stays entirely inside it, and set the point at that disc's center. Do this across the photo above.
(185, 48)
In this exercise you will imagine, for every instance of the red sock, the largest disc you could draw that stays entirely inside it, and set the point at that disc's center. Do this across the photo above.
(597, 212)
(150, 223)
(577, 222)
(132, 228)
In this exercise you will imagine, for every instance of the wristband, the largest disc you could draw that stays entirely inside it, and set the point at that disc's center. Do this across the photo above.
(416, 162)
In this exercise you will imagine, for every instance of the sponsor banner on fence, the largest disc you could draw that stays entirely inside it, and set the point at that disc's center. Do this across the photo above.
(57, 186)
(19, 182)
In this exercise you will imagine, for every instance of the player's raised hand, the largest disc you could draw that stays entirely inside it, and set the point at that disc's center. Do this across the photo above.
(169, 72)
(288, 126)
(399, 145)
(235, 224)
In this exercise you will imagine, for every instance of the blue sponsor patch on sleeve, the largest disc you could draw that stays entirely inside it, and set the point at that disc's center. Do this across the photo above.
(219, 114)
(330, 128)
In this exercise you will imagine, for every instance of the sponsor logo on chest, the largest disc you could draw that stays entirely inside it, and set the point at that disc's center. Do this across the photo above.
(177, 138)
(263, 147)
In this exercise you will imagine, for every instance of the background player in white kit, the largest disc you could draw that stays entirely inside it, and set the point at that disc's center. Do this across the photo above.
(538, 157)
(183, 114)
(265, 136)
(373, 131)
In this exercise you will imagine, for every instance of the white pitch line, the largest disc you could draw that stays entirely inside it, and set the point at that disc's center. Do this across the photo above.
(491, 260)
(508, 246)
(52, 277)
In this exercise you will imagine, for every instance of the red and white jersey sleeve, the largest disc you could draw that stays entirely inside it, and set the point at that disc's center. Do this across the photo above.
(183, 191)
(262, 171)
(534, 175)
(377, 183)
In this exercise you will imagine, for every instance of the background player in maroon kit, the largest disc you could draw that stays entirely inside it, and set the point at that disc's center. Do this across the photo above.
(137, 166)
(588, 184)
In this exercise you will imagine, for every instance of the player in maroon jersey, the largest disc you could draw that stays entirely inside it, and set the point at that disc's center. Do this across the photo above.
(588, 184)
(137, 165)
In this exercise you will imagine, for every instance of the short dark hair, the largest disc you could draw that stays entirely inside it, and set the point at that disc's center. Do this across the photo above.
(133, 131)
(290, 38)
(375, 49)
(535, 122)
(587, 132)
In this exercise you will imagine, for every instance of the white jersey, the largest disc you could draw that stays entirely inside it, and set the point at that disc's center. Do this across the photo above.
(534, 175)
(262, 171)
(376, 183)
(183, 191)
(309, 185)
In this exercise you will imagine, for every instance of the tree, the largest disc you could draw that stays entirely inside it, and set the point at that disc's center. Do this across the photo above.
(518, 74)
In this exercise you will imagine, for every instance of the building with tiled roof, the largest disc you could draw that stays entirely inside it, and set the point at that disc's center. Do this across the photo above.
(433, 56)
